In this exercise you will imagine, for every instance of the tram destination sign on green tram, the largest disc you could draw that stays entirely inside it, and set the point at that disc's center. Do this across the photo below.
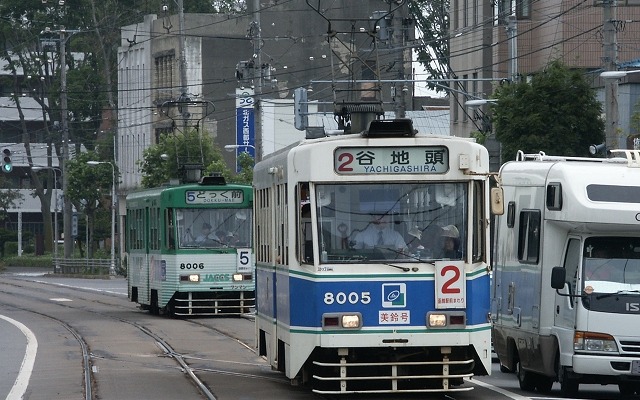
(214, 197)
(391, 160)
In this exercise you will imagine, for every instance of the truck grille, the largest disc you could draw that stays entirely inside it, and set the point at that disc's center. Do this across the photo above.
(628, 346)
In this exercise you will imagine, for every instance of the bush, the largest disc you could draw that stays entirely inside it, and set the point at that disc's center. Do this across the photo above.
(28, 260)
(10, 249)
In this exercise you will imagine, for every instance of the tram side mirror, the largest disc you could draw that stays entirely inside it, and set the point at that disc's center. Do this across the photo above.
(558, 276)
(497, 201)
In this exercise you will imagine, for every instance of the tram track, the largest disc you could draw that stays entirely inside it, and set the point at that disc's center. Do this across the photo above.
(181, 360)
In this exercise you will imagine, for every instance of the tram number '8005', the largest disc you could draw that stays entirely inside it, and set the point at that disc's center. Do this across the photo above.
(191, 265)
(351, 298)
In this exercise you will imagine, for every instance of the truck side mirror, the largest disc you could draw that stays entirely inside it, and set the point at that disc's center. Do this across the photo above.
(558, 276)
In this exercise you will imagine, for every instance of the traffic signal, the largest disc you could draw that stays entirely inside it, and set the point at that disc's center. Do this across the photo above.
(7, 165)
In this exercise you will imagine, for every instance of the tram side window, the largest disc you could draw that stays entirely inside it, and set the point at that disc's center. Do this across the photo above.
(170, 229)
(304, 217)
(477, 229)
(154, 229)
(130, 231)
(136, 229)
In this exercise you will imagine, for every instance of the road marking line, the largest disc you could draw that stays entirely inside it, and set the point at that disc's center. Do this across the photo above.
(504, 392)
(22, 381)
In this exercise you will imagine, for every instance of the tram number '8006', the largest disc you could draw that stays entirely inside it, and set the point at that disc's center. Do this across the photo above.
(191, 265)
(351, 298)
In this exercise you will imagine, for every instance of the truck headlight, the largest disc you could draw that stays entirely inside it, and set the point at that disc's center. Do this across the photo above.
(593, 341)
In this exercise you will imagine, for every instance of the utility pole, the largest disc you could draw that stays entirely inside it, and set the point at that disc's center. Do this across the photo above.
(610, 53)
(512, 36)
(67, 210)
(400, 88)
(183, 63)
(257, 54)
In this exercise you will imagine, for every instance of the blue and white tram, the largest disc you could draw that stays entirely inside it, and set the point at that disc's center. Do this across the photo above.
(347, 316)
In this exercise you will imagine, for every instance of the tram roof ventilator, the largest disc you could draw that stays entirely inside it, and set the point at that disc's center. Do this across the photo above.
(390, 128)
(213, 179)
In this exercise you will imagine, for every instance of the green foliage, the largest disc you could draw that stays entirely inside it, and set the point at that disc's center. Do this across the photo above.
(9, 198)
(557, 112)
(90, 189)
(29, 261)
(164, 161)
(245, 176)
(89, 183)
(10, 249)
(432, 21)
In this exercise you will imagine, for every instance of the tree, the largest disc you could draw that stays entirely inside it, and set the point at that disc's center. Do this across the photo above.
(165, 161)
(90, 189)
(9, 198)
(432, 22)
(556, 112)
(245, 176)
(91, 79)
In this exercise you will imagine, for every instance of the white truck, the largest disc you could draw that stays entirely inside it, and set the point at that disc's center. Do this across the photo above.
(566, 281)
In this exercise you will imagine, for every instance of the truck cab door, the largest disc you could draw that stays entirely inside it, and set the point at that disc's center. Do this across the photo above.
(565, 307)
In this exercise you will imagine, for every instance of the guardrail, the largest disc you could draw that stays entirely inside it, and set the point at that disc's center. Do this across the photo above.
(87, 266)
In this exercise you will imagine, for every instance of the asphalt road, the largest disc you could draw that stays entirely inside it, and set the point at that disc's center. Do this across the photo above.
(133, 355)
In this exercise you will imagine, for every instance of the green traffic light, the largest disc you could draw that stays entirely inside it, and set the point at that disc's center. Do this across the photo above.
(7, 165)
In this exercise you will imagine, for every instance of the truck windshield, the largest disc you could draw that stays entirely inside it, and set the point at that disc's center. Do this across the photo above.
(410, 222)
(611, 264)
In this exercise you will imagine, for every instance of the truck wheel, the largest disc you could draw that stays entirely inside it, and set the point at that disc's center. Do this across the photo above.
(544, 384)
(568, 386)
(628, 388)
(526, 379)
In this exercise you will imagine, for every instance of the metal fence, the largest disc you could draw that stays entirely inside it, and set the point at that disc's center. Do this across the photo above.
(88, 266)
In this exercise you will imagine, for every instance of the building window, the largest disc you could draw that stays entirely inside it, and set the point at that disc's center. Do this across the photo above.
(502, 9)
(523, 9)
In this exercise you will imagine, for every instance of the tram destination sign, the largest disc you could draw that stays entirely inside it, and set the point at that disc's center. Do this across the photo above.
(214, 197)
(391, 160)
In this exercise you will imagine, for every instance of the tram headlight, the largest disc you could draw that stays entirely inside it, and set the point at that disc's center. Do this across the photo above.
(341, 321)
(190, 278)
(592, 341)
(351, 321)
(242, 277)
(436, 320)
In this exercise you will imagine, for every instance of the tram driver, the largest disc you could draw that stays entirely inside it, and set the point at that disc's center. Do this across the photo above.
(379, 233)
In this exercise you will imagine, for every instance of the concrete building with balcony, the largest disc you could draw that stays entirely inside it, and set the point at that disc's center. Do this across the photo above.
(496, 41)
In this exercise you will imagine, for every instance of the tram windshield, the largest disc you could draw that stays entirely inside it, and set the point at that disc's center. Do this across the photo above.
(213, 228)
(612, 264)
(410, 222)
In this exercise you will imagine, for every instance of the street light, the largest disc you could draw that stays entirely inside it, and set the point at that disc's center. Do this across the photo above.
(479, 102)
(112, 269)
(611, 106)
(231, 147)
(55, 214)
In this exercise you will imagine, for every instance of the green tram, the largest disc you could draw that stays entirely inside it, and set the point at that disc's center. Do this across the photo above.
(189, 249)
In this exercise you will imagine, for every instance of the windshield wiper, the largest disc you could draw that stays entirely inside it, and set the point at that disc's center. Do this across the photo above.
(605, 295)
(365, 258)
(404, 269)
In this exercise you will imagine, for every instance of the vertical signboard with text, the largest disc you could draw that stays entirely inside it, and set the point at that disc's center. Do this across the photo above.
(245, 128)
